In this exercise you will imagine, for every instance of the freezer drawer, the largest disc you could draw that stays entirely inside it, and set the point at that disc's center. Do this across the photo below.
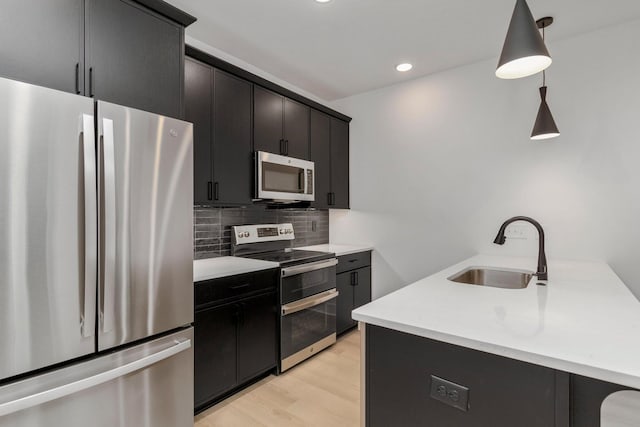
(147, 385)
(145, 164)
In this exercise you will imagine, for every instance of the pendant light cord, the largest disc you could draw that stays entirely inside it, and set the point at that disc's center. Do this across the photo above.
(544, 76)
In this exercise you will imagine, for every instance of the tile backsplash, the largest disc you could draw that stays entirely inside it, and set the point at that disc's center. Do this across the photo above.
(212, 226)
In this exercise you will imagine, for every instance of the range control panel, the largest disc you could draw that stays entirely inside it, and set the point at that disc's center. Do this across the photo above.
(262, 233)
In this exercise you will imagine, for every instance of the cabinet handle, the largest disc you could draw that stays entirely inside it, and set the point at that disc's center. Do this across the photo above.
(329, 199)
(332, 199)
(357, 282)
(286, 147)
(91, 82)
(353, 278)
(216, 191)
(77, 78)
(210, 190)
(282, 147)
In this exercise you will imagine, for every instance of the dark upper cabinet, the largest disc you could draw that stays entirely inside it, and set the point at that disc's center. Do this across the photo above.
(280, 125)
(116, 50)
(339, 163)
(43, 43)
(232, 153)
(219, 106)
(329, 149)
(320, 154)
(134, 57)
(199, 111)
(296, 129)
(268, 120)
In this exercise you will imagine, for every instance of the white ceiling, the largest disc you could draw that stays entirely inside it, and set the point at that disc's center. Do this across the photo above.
(345, 47)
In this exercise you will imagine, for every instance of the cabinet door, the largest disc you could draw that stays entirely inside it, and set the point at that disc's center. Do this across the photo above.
(502, 392)
(296, 129)
(232, 155)
(344, 304)
(214, 352)
(135, 57)
(362, 288)
(257, 337)
(320, 147)
(340, 163)
(199, 111)
(43, 42)
(268, 116)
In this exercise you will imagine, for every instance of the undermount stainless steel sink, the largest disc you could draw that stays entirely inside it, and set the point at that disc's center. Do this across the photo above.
(507, 279)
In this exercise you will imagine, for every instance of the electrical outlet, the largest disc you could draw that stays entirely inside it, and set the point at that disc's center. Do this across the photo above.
(450, 393)
(516, 231)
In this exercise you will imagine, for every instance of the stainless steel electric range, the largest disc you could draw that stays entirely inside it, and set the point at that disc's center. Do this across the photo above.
(307, 289)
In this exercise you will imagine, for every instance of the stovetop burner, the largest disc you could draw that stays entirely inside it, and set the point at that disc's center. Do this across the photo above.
(288, 257)
(270, 242)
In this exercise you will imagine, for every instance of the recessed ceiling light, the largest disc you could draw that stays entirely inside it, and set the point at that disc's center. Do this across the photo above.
(404, 67)
(323, 1)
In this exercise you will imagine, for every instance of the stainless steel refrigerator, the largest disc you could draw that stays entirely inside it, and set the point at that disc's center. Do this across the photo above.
(96, 282)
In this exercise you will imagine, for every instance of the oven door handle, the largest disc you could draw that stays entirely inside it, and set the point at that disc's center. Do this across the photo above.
(312, 266)
(309, 302)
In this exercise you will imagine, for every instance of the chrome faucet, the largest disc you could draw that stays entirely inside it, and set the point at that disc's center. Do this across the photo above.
(542, 258)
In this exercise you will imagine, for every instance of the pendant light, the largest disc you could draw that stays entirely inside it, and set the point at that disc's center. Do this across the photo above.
(544, 127)
(524, 52)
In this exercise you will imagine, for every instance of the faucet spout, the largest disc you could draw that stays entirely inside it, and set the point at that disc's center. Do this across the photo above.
(500, 239)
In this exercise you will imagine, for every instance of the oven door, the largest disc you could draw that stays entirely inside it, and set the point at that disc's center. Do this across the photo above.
(304, 280)
(307, 327)
(284, 178)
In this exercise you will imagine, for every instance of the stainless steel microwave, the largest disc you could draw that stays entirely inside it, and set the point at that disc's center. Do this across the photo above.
(284, 179)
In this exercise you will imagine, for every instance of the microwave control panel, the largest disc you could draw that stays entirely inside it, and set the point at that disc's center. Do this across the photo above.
(309, 181)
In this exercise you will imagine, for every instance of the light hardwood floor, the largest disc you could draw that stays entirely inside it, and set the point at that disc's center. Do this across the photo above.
(322, 391)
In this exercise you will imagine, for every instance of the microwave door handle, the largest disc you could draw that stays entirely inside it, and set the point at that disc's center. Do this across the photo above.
(301, 181)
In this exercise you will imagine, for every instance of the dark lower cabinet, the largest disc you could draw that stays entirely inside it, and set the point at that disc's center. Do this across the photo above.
(587, 395)
(257, 342)
(235, 334)
(134, 57)
(501, 392)
(403, 387)
(329, 150)
(215, 352)
(354, 287)
(43, 43)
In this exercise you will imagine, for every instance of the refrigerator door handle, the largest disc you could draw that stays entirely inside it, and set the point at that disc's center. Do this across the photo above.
(93, 381)
(88, 315)
(107, 313)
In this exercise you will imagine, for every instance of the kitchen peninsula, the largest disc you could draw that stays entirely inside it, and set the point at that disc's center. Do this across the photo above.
(464, 355)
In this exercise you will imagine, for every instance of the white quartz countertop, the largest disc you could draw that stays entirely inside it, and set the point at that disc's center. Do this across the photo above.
(584, 321)
(339, 250)
(214, 268)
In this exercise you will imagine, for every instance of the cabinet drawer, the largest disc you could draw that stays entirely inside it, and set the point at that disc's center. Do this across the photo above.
(225, 289)
(353, 261)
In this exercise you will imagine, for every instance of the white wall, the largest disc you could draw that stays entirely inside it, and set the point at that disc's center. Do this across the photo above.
(439, 162)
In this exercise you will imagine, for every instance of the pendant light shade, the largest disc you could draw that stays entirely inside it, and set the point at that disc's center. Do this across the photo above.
(524, 52)
(544, 127)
